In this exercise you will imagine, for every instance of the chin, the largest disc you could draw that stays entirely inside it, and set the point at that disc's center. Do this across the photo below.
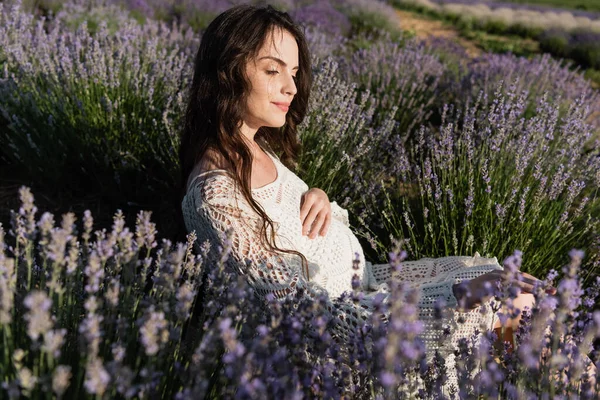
(277, 124)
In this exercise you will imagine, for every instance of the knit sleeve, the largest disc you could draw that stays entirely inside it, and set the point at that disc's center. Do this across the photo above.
(224, 209)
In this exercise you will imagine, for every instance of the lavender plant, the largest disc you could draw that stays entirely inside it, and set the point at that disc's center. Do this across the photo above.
(539, 75)
(542, 6)
(404, 76)
(366, 108)
(90, 111)
(562, 33)
(584, 48)
(101, 314)
(370, 16)
(548, 338)
(323, 16)
(337, 16)
(491, 180)
(72, 14)
(77, 309)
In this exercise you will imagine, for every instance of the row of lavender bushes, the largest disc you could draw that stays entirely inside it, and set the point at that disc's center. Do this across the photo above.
(347, 15)
(581, 46)
(509, 17)
(559, 32)
(103, 314)
(358, 114)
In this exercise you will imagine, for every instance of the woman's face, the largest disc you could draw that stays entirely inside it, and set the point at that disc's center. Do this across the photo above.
(272, 78)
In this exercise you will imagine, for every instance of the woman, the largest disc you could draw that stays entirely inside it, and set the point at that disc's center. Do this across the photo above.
(250, 91)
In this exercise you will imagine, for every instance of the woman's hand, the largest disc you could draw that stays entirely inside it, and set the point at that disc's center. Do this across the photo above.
(475, 288)
(315, 212)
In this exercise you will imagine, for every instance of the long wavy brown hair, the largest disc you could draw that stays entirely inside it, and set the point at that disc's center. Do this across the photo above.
(216, 101)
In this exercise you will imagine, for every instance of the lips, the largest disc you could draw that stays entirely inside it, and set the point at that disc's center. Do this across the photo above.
(283, 106)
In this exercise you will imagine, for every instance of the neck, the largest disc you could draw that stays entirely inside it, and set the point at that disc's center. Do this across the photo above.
(248, 135)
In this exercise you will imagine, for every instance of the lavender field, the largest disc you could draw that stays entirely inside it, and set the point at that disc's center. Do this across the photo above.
(559, 30)
(104, 295)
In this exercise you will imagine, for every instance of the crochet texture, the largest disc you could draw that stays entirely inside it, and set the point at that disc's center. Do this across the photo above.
(213, 205)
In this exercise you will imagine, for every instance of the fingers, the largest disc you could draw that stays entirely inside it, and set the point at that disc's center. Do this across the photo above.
(550, 290)
(315, 214)
(316, 222)
(308, 203)
(309, 220)
(526, 285)
(314, 227)
(326, 224)
(527, 282)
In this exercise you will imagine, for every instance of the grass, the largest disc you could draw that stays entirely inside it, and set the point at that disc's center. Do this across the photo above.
(495, 43)
(587, 5)
(594, 76)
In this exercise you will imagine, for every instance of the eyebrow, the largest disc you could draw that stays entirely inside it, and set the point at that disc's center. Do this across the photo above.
(278, 60)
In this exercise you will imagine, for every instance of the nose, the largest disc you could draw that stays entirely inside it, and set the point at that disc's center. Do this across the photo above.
(290, 86)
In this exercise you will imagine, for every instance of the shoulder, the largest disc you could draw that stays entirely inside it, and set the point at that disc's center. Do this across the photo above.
(212, 166)
(213, 160)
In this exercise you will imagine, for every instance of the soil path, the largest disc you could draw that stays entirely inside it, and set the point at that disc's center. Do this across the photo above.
(426, 29)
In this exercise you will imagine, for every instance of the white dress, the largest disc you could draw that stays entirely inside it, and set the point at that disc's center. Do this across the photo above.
(330, 257)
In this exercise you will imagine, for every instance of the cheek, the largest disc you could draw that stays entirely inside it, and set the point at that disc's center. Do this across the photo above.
(264, 88)
(268, 89)
(262, 92)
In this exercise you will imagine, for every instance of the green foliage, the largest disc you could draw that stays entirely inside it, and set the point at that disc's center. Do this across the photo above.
(372, 19)
(44, 6)
(500, 43)
(82, 142)
(195, 17)
(594, 76)
(371, 23)
(587, 5)
(586, 54)
(555, 42)
(581, 46)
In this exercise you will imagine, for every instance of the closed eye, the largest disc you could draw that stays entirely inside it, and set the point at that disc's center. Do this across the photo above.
(274, 72)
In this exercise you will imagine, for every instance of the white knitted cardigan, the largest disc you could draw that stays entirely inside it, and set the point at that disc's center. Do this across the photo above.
(330, 258)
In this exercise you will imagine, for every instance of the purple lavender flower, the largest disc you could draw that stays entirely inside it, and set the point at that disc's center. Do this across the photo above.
(154, 331)
(96, 377)
(53, 341)
(39, 318)
(61, 380)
